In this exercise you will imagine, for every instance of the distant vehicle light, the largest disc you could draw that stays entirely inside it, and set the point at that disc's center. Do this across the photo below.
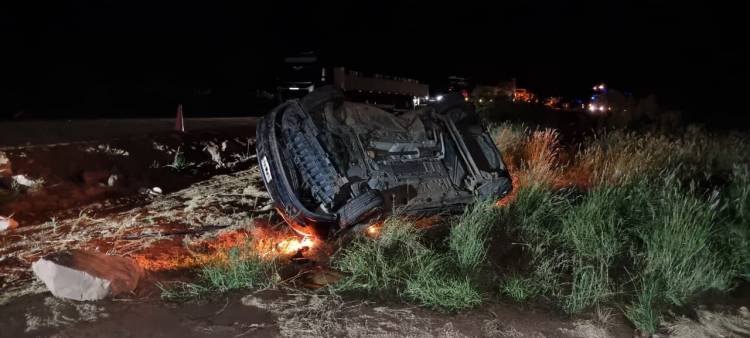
(602, 108)
(293, 88)
(601, 87)
(439, 98)
(592, 107)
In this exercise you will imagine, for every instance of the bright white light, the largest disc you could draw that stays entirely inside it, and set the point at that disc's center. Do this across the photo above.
(601, 87)
(293, 88)
(602, 108)
(592, 107)
(439, 98)
(480, 100)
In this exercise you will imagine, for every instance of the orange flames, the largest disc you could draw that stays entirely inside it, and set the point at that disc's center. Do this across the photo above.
(374, 229)
(270, 243)
(292, 245)
(175, 254)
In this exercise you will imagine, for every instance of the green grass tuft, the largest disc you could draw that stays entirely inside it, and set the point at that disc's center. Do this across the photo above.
(183, 291)
(590, 286)
(645, 312)
(433, 287)
(518, 288)
(381, 263)
(469, 237)
(397, 262)
(586, 248)
(242, 268)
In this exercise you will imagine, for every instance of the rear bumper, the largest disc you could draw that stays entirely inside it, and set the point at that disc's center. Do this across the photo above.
(275, 177)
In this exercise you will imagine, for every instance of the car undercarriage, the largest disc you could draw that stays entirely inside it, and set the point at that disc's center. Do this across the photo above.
(331, 165)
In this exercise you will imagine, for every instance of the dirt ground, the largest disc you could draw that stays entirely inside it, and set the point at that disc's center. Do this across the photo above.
(50, 132)
(216, 201)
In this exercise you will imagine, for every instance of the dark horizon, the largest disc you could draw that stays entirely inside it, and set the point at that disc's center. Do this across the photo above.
(118, 58)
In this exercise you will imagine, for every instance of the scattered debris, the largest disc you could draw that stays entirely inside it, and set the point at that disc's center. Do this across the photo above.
(214, 151)
(112, 180)
(107, 149)
(22, 180)
(5, 168)
(162, 147)
(155, 191)
(83, 275)
(7, 223)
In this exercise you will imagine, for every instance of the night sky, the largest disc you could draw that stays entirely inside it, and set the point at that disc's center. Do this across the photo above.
(116, 58)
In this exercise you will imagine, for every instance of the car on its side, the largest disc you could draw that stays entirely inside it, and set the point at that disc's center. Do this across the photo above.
(331, 165)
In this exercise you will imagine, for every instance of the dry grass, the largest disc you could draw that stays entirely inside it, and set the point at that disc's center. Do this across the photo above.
(616, 157)
(532, 156)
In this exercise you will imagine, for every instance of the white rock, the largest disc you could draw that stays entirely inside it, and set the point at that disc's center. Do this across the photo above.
(65, 282)
(85, 275)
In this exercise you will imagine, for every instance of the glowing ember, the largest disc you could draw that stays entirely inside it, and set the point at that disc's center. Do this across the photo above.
(292, 245)
(374, 230)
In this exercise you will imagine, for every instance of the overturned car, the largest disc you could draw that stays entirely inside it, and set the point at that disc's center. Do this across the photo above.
(331, 165)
